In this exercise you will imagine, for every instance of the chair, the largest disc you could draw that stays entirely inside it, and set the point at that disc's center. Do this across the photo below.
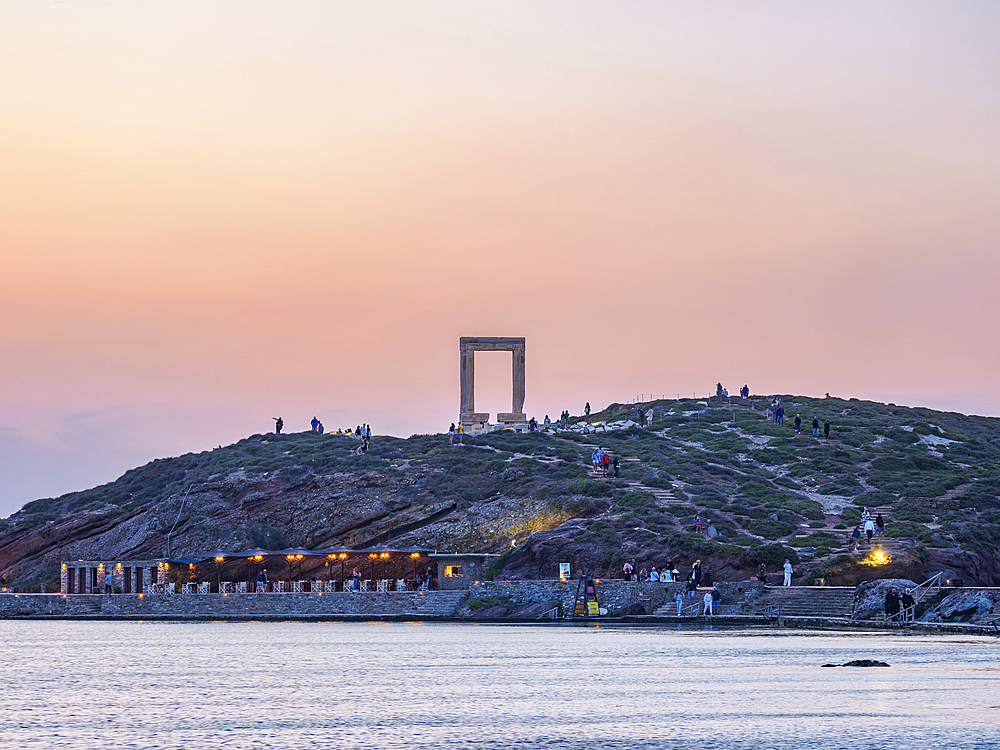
(365, 586)
(330, 587)
(296, 587)
(241, 587)
(189, 588)
(204, 587)
(382, 585)
(261, 588)
(400, 585)
(278, 587)
(226, 587)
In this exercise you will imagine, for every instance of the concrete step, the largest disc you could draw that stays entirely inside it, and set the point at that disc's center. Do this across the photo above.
(810, 601)
(440, 603)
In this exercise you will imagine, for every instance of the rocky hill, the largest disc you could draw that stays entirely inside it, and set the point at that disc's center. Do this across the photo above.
(764, 493)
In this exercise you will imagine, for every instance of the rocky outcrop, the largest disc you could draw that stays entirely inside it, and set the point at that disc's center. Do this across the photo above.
(869, 597)
(965, 605)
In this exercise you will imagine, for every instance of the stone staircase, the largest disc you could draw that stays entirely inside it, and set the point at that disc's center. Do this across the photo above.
(440, 603)
(809, 601)
(663, 497)
(89, 604)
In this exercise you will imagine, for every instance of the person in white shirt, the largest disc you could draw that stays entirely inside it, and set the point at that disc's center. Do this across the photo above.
(654, 577)
(788, 573)
(708, 603)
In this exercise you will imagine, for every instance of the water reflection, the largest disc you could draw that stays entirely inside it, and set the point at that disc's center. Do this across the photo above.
(293, 685)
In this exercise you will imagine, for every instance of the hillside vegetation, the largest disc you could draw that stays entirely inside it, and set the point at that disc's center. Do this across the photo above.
(764, 493)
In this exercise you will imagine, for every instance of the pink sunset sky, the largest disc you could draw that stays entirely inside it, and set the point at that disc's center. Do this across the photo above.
(216, 213)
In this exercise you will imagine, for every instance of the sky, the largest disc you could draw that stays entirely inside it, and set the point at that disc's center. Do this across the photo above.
(212, 214)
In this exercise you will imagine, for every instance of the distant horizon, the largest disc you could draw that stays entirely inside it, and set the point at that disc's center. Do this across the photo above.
(212, 214)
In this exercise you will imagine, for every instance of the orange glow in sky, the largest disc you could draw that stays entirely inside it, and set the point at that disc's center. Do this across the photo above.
(216, 213)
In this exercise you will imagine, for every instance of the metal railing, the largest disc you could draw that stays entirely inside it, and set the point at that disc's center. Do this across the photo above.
(552, 614)
(770, 612)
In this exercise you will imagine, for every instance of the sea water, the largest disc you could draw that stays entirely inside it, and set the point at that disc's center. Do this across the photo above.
(374, 685)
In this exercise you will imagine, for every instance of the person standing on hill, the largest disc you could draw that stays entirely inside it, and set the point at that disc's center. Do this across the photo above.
(278, 424)
(649, 417)
(314, 424)
(762, 573)
(451, 434)
(780, 419)
(826, 429)
(586, 410)
(788, 572)
(459, 431)
(869, 530)
(615, 464)
(696, 572)
(798, 425)
(692, 589)
(815, 427)
(679, 599)
(879, 525)
(745, 391)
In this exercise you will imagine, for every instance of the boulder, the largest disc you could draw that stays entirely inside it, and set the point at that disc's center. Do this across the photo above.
(869, 597)
(964, 606)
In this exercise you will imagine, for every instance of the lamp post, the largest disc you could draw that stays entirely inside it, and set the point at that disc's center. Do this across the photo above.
(342, 556)
(414, 556)
(384, 557)
(371, 565)
(218, 570)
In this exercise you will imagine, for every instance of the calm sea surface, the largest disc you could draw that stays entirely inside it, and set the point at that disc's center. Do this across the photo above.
(350, 685)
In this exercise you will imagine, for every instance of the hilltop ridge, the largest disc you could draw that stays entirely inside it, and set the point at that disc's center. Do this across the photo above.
(763, 492)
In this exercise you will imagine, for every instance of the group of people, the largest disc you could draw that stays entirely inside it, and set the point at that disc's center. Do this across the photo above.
(786, 569)
(670, 574)
(455, 434)
(317, 426)
(604, 463)
(776, 413)
(872, 527)
(363, 432)
(896, 605)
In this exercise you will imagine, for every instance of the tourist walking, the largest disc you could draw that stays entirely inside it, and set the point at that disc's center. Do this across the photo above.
(788, 572)
(815, 427)
(869, 530)
(314, 423)
(745, 391)
(879, 526)
(679, 599)
(649, 417)
(762, 573)
(692, 589)
(856, 536)
(780, 415)
(278, 424)
(696, 572)
(586, 410)
(798, 425)
(826, 429)
(615, 465)
(707, 600)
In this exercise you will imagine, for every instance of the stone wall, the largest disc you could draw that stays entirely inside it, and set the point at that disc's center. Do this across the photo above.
(615, 594)
(214, 605)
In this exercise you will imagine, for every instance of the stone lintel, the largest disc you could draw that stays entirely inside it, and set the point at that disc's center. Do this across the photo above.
(511, 418)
